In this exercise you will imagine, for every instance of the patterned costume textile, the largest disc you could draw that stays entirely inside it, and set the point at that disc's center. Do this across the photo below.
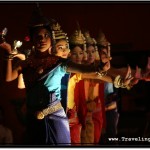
(42, 79)
(74, 123)
(75, 126)
(91, 113)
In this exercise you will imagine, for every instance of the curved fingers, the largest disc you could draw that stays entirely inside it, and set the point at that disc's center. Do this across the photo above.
(128, 74)
(20, 56)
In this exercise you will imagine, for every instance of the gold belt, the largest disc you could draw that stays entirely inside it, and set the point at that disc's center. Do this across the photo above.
(49, 110)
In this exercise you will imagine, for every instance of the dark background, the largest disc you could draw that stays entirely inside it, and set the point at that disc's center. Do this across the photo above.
(121, 22)
(125, 24)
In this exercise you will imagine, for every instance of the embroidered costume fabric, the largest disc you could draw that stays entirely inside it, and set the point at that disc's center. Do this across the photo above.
(43, 90)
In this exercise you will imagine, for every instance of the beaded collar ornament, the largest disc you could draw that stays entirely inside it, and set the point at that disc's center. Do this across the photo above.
(40, 63)
(37, 66)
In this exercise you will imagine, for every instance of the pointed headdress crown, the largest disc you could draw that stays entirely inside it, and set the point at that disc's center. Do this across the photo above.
(101, 40)
(77, 38)
(57, 32)
(37, 18)
(91, 41)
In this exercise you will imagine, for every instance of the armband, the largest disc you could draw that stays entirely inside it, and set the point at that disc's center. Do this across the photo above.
(101, 74)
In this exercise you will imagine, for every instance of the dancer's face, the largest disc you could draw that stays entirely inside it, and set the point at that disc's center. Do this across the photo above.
(77, 55)
(105, 57)
(42, 40)
(62, 49)
(91, 54)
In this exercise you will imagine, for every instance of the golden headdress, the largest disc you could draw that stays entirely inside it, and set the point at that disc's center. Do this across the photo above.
(91, 41)
(77, 38)
(101, 40)
(57, 32)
